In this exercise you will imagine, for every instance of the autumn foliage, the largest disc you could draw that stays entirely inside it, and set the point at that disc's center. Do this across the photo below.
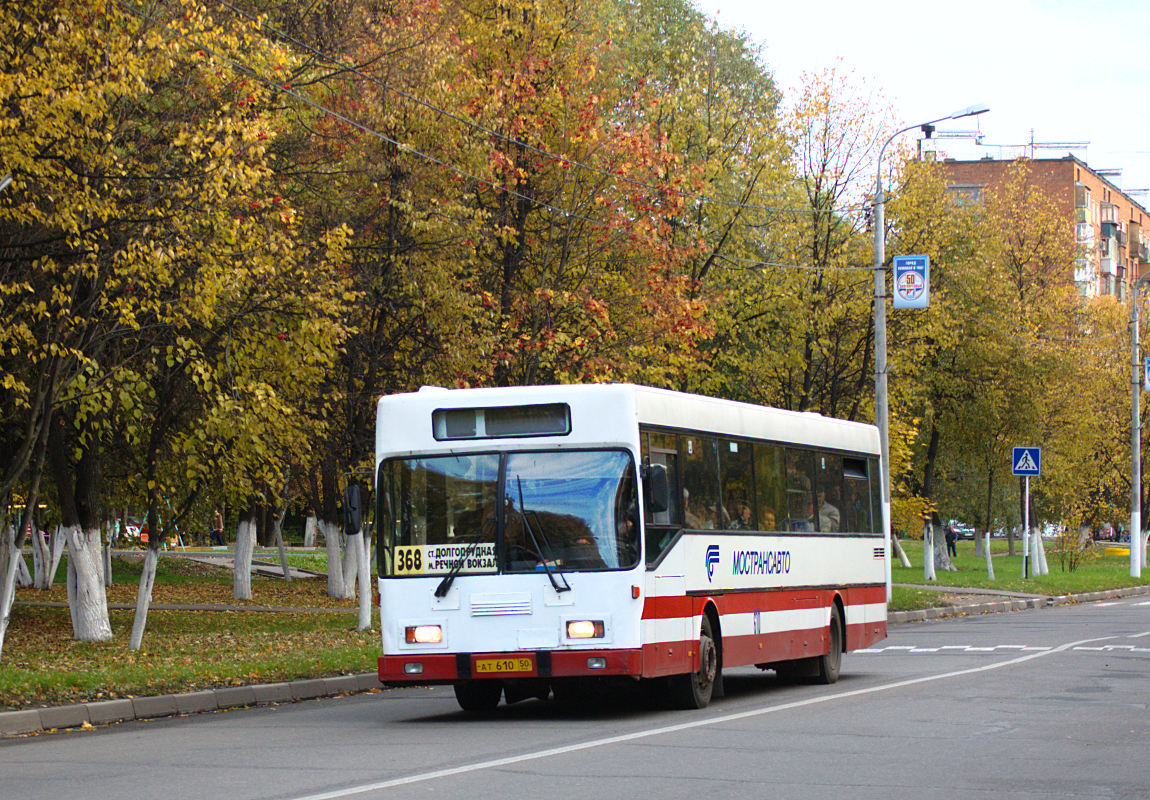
(233, 225)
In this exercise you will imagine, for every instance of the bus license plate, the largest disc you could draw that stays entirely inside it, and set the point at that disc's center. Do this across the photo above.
(490, 665)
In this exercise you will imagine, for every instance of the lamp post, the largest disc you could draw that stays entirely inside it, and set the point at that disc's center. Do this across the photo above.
(1135, 439)
(881, 411)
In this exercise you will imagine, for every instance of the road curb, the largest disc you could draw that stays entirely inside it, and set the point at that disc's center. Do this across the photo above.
(103, 712)
(1010, 604)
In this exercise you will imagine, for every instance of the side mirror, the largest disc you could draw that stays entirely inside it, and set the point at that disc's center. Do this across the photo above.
(656, 488)
(352, 513)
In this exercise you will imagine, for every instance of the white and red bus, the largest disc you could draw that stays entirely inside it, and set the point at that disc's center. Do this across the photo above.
(535, 539)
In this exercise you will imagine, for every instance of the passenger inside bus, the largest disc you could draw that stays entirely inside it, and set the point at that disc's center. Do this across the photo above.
(829, 517)
(802, 520)
(741, 519)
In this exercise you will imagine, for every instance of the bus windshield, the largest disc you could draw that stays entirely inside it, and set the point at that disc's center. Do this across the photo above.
(564, 511)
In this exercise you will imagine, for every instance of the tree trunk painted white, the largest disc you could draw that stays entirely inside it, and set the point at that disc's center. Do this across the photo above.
(8, 586)
(941, 553)
(40, 559)
(989, 561)
(86, 596)
(23, 576)
(58, 553)
(309, 529)
(350, 566)
(279, 523)
(335, 582)
(144, 598)
(364, 576)
(896, 545)
(245, 546)
(929, 552)
(1043, 568)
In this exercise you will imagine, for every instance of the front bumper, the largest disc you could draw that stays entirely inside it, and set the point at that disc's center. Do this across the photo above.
(427, 668)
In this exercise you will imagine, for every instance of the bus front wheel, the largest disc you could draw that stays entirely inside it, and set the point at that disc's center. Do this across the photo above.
(478, 696)
(694, 689)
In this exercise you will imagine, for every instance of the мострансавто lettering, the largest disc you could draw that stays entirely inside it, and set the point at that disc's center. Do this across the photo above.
(761, 562)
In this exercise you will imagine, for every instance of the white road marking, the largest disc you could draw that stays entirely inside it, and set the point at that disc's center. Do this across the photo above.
(683, 726)
(952, 648)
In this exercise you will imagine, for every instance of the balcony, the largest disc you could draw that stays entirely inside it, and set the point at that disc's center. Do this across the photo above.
(1108, 267)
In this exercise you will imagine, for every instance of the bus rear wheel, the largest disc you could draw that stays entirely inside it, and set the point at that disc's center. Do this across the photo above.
(694, 690)
(478, 696)
(827, 666)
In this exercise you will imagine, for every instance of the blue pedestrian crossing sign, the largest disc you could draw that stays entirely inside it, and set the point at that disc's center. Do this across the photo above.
(1027, 461)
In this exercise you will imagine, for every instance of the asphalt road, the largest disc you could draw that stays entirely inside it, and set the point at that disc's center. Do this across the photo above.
(1047, 703)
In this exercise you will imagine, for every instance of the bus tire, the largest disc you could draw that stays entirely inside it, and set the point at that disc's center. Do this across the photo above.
(694, 689)
(478, 696)
(827, 666)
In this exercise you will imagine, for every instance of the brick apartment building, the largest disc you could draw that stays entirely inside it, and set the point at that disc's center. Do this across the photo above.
(1110, 227)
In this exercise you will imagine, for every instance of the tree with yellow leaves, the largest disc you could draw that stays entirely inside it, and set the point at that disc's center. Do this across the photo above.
(162, 278)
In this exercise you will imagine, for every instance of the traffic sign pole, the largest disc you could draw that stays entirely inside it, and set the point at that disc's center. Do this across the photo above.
(1026, 527)
(1025, 462)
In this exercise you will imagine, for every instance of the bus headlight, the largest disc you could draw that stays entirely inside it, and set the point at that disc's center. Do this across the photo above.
(423, 634)
(585, 629)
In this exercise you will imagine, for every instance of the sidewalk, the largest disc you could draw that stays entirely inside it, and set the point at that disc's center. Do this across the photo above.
(86, 715)
(990, 601)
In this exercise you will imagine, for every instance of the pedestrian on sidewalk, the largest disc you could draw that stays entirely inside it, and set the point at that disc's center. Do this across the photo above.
(217, 532)
(951, 540)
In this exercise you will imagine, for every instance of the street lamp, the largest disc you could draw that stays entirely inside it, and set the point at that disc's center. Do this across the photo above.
(881, 412)
(1135, 439)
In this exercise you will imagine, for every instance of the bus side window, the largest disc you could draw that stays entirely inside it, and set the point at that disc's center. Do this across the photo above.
(875, 496)
(800, 496)
(660, 527)
(737, 477)
(661, 448)
(856, 496)
(828, 492)
(701, 507)
(769, 487)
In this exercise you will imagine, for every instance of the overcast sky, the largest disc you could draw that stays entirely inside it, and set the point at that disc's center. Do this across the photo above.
(1068, 70)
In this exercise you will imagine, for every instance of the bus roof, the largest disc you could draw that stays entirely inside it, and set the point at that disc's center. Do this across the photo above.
(617, 407)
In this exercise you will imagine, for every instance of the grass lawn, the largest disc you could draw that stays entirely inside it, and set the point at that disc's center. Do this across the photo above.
(182, 650)
(1104, 571)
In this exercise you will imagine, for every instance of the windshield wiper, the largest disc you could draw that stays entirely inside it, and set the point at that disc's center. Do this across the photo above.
(476, 538)
(545, 555)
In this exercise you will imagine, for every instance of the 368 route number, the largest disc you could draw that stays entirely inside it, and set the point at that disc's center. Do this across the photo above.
(408, 560)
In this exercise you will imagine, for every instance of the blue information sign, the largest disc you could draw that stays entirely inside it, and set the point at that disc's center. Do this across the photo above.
(1026, 461)
(912, 281)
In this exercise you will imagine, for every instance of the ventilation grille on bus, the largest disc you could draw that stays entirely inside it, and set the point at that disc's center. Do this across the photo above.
(500, 605)
(880, 552)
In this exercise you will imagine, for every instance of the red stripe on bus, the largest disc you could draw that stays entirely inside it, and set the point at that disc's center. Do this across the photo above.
(743, 602)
